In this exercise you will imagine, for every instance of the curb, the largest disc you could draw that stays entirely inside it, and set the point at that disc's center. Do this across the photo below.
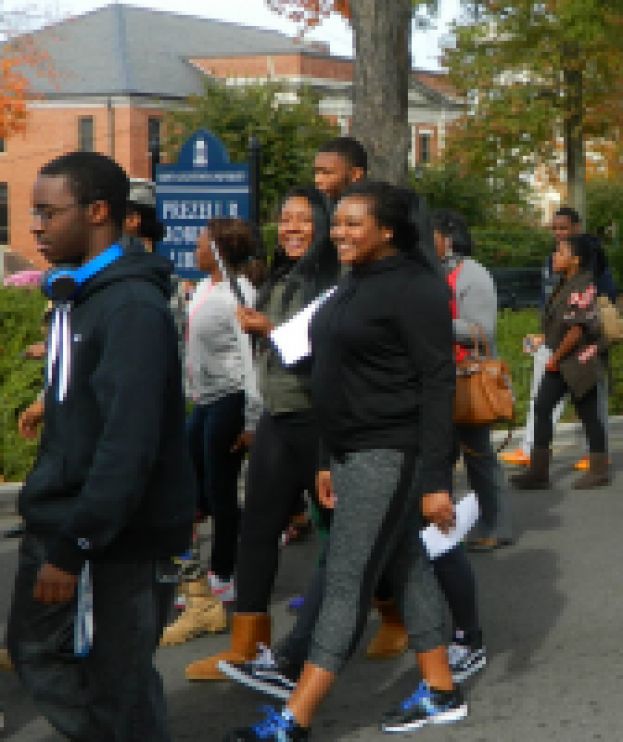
(563, 431)
(8, 497)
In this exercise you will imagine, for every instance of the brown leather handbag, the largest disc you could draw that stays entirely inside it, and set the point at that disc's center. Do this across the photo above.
(484, 392)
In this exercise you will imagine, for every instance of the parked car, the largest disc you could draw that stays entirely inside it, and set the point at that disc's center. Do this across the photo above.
(517, 288)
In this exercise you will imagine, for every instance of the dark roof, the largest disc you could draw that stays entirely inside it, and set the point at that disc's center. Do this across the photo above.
(122, 50)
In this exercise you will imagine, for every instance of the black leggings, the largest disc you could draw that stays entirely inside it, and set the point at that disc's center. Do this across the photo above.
(282, 464)
(553, 388)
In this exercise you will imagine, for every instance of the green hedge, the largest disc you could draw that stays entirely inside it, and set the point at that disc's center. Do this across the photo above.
(512, 247)
(21, 316)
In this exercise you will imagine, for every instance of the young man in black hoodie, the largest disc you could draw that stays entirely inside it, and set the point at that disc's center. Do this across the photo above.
(111, 495)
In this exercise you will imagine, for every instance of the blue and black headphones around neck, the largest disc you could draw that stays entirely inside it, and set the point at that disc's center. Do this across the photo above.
(64, 283)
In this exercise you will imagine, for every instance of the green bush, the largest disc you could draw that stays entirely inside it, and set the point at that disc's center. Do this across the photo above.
(21, 315)
(511, 246)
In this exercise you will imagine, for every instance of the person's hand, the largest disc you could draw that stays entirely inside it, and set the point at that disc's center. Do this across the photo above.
(324, 489)
(254, 322)
(29, 421)
(531, 343)
(438, 508)
(553, 366)
(243, 441)
(54, 585)
(35, 352)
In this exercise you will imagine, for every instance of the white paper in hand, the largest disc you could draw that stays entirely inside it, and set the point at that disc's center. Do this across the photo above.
(292, 337)
(437, 543)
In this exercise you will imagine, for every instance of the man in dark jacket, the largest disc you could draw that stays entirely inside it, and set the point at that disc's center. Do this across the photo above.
(111, 495)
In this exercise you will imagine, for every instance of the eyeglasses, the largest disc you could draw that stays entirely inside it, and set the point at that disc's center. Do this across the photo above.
(47, 213)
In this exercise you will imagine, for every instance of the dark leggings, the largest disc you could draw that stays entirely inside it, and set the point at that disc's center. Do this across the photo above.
(458, 584)
(212, 430)
(553, 388)
(282, 464)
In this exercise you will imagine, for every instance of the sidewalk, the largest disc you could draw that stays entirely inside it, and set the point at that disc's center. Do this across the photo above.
(563, 433)
(8, 497)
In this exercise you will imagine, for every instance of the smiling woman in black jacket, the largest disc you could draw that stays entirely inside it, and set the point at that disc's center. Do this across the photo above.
(382, 387)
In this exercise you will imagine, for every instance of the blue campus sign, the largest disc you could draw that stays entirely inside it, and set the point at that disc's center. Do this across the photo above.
(201, 185)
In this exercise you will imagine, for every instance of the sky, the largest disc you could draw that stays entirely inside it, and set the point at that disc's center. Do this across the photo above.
(252, 12)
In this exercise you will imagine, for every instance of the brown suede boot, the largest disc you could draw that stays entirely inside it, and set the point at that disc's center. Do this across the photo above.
(248, 629)
(203, 615)
(391, 639)
(598, 474)
(536, 477)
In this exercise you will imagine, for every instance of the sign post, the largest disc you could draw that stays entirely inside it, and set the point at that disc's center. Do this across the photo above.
(201, 185)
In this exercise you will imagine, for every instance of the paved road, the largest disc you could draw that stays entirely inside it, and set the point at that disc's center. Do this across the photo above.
(552, 609)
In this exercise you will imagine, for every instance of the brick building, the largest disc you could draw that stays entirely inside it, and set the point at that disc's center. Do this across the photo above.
(114, 72)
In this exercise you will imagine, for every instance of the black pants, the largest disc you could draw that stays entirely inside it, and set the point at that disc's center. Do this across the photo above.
(553, 388)
(282, 464)
(114, 694)
(212, 430)
(456, 577)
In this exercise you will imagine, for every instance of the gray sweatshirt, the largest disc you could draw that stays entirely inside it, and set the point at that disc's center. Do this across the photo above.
(219, 358)
(476, 300)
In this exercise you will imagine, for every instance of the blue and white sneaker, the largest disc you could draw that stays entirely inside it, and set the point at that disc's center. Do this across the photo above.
(275, 726)
(425, 706)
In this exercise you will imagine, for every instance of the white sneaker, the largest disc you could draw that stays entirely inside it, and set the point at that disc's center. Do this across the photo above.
(224, 590)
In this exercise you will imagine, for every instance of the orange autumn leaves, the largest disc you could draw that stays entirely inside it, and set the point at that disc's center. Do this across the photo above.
(309, 13)
(18, 58)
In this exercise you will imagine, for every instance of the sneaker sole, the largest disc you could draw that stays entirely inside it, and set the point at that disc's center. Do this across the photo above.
(254, 683)
(460, 677)
(445, 717)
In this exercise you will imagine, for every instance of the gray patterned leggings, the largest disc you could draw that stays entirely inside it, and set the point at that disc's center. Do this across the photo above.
(376, 524)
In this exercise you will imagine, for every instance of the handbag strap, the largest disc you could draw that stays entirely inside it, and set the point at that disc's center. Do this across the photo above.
(503, 445)
(479, 340)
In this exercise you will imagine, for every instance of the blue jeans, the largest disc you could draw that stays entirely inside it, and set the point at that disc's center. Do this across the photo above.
(486, 478)
(212, 430)
(114, 693)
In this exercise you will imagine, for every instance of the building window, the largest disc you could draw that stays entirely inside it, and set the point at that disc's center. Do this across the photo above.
(4, 214)
(154, 126)
(424, 148)
(86, 133)
(2, 145)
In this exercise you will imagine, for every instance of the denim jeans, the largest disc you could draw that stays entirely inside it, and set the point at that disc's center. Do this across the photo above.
(114, 694)
(212, 430)
(486, 478)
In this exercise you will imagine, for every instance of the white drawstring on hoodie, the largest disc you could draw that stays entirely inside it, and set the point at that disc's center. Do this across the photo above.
(59, 350)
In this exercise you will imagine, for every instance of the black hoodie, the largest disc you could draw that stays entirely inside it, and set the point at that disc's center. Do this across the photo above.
(113, 478)
(383, 373)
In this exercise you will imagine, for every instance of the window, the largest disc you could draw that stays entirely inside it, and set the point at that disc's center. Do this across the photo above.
(4, 214)
(86, 132)
(2, 145)
(153, 134)
(424, 148)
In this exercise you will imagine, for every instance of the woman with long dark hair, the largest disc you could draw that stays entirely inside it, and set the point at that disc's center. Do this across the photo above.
(383, 387)
(285, 449)
(577, 366)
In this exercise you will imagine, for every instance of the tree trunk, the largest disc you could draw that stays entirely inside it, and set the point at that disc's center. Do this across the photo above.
(382, 31)
(574, 142)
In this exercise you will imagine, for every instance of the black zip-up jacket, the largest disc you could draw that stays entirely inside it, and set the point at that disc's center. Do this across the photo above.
(113, 478)
(383, 373)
